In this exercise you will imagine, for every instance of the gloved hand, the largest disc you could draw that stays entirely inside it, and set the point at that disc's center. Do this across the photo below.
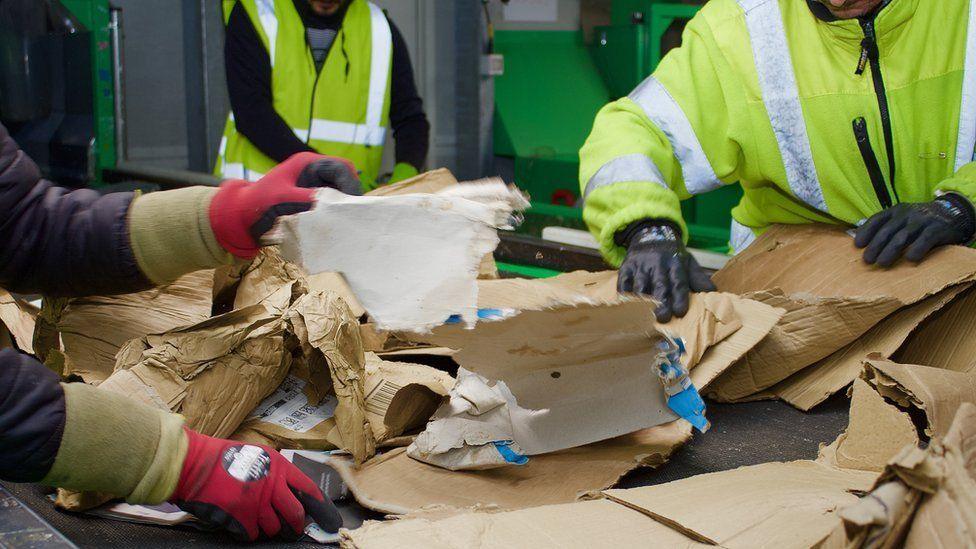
(915, 229)
(249, 490)
(241, 212)
(403, 171)
(659, 265)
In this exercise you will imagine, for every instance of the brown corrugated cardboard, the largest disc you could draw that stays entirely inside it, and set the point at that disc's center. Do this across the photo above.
(429, 182)
(799, 339)
(771, 505)
(823, 281)
(876, 432)
(400, 397)
(564, 360)
(885, 398)
(17, 321)
(823, 261)
(93, 329)
(817, 382)
(947, 340)
(394, 483)
(924, 498)
(213, 373)
(548, 527)
(935, 391)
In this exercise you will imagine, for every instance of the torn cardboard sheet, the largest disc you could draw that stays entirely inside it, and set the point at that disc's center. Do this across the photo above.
(881, 420)
(395, 483)
(947, 340)
(213, 373)
(18, 319)
(924, 498)
(822, 261)
(814, 384)
(431, 182)
(547, 527)
(270, 280)
(799, 339)
(567, 362)
(418, 264)
(818, 289)
(93, 329)
(770, 505)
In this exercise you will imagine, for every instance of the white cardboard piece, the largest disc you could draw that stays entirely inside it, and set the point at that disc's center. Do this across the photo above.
(411, 260)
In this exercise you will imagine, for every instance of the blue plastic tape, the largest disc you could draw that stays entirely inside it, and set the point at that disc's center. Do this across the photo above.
(504, 448)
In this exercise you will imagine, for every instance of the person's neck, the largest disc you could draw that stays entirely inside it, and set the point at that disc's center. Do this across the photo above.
(316, 21)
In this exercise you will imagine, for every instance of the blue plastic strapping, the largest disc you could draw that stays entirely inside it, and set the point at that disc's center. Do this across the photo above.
(683, 397)
(504, 448)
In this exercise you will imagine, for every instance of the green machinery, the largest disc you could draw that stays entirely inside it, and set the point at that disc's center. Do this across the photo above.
(553, 86)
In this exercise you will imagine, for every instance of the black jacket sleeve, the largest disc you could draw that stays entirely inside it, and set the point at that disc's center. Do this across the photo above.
(248, 69)
(32, 416)
(410, 127)
(60, 242)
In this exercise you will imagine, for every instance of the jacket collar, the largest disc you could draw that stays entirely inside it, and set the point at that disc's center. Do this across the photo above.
(888, 20)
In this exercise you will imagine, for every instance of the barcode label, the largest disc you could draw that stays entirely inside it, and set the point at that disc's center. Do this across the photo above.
(379, 399)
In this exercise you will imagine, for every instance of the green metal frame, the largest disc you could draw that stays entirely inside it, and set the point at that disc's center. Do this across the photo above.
(95, 16)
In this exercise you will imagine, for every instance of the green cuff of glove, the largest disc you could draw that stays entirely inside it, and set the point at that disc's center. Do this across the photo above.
(403, 171)
(114, 444)
(171, 235)
(641, 201)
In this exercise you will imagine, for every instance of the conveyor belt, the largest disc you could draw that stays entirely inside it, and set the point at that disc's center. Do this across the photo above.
(741, 434)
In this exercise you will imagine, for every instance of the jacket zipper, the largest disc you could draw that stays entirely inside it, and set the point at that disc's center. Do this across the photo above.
(871, 162)
(870, 54)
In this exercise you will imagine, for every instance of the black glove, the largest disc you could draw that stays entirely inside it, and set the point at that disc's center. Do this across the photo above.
(915, 229)
(659, 265)
(331, 171)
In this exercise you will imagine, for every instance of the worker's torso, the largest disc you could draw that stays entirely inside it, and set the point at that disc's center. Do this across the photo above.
(812, 104)
(340, 110)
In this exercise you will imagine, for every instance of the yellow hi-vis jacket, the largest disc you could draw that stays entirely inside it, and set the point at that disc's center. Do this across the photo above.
(820, 121)
(342, 111)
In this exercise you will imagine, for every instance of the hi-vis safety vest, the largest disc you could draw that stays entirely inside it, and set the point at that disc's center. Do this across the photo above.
(343, 111)
(816, 127)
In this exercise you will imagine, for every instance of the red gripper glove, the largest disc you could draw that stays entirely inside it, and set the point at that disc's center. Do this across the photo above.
(241, 212)
(249, 490)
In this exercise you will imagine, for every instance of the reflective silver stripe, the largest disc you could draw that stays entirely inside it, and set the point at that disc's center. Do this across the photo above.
(269, 22)
(966, 142)
(740, 237)
(667, 115)
(347, 132)
(380, 62)
(625, 169)
(782, 98)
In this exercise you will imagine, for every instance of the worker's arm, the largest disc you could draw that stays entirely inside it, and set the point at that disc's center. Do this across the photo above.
(82, 438)
(672, 135)
(69, 243)
(248, 69)
(411, 130)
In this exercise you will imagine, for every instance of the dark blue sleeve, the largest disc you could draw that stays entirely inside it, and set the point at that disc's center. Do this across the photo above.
(411, 130)
(32, 416)
(60, 242)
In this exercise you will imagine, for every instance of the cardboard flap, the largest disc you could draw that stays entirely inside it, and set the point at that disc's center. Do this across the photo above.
(19, 318)
(711, 319)
(426, 183)
(395, 483)
(877, 431)
(93, 329)
(937, 392)
(815, 384)
(769, 505)
(823, 261)
(947, 340)
(547, 527)
(812, 328)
